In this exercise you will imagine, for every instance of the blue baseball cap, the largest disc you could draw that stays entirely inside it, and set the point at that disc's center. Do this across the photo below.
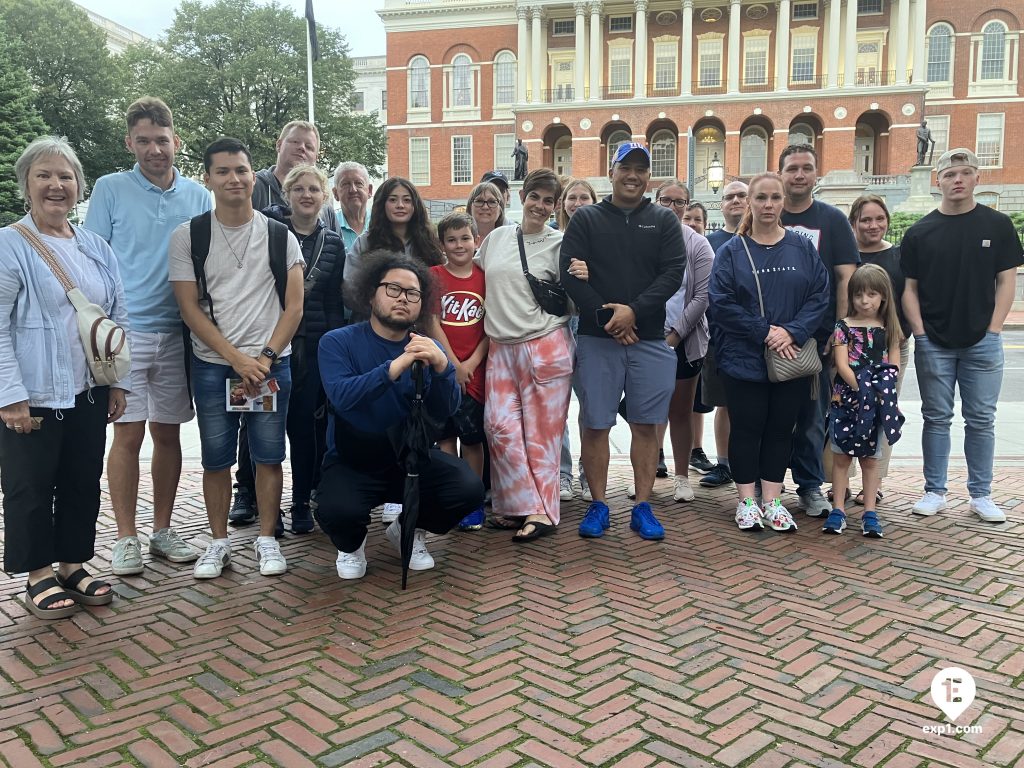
(627, 148)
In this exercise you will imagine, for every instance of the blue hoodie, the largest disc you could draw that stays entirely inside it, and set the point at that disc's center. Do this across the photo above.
(795, 287)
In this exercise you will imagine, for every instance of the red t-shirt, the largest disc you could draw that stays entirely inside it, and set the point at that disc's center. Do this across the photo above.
(462, 317)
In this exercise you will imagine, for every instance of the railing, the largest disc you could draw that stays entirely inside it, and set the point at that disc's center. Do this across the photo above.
(885, 179)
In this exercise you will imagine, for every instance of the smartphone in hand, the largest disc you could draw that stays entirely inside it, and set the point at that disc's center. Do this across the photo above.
(603, 315)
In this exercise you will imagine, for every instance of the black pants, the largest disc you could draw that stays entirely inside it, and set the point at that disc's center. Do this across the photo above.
(51, 484)
(307, 433)
(449, 490)
(763, 416)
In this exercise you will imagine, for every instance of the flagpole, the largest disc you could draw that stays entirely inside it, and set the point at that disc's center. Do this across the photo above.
(309, 73)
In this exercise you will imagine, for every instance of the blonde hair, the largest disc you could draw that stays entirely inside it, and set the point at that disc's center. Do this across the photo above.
(302, 170)
(748, 215)
(570, 184)
(871, 277)
(303, 124)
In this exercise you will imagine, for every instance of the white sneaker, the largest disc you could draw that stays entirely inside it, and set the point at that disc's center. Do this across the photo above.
(565, 488)
(168, 544)
(390, 512)
(269, 556)
(352, 565)
(631, 490)
(421, 559)
(985, 508)
(778, 516)
(683, 490)
(585, 493)
(210, 564)
(748, 516)
(931, 503)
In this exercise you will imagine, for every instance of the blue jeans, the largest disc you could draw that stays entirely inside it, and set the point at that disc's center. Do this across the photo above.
(809, 437)
(978, 370)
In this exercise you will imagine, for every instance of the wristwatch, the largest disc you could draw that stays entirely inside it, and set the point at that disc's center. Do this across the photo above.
(269, 353)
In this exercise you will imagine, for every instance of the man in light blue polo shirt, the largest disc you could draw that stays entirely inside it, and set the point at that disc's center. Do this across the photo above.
(136, 211)
(353, 190)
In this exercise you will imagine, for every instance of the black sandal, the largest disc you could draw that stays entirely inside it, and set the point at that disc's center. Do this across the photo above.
(503, 523)
(42, 609)
(859, 498)
(539, 530)
(87, 596)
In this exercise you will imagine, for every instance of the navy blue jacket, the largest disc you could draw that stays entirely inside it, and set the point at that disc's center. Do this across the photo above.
(856, 417)
(795, 286)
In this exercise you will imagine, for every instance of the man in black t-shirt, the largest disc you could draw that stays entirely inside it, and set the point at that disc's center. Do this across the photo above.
(960, 263)
(828, 228)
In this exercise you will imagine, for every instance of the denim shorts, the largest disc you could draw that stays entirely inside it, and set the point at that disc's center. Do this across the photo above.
(218, 427)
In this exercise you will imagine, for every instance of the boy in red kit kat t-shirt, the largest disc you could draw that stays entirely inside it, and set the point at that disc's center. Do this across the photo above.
(458, 324)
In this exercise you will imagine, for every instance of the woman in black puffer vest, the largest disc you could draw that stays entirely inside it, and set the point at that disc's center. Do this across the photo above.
(305, 190)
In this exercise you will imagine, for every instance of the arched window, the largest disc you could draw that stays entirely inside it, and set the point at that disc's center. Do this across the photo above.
(419, 83)
(617, 138)
(663, 154)
(940, 40)
(505, 78)
(993, 51)
(801, 133)
(462, 81)
(753, 151)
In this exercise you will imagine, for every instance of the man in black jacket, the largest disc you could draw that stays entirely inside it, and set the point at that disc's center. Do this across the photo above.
(635, 258)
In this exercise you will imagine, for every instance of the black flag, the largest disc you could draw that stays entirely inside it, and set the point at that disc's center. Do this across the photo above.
(314, 46)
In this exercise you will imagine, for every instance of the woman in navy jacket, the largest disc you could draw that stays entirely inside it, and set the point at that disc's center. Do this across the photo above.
(794, 284)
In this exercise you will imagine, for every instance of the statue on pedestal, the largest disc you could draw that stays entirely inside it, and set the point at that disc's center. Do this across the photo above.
(924, 139)
(521, 155)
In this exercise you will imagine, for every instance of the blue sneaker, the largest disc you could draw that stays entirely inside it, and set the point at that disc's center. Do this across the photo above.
(645, 523)
(596, 521)
(835, 523)
(474, 521)
(870, 526)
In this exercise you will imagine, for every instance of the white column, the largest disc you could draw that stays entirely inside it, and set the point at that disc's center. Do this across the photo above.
(919, 23)
(835, 20)
(734, 46)
(640, 50)
(850, 64)
(522, 54)
(782, 48)
(686, 74)
(537, 75)
(579, 66)
(900, 39)
(595, 51)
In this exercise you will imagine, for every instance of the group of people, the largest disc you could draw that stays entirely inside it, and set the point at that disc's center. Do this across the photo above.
(277, 320)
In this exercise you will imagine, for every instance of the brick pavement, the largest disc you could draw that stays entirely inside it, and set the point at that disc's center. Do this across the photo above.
(713, 648)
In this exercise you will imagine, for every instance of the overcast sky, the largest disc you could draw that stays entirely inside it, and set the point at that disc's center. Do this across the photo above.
(356, 19)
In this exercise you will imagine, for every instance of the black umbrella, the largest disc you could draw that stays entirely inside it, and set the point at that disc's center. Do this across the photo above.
(414, 454)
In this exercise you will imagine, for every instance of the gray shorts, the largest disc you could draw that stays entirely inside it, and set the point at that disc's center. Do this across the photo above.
(645, 372)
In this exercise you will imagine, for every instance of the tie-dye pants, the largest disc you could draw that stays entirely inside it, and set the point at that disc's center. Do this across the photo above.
(527, 399)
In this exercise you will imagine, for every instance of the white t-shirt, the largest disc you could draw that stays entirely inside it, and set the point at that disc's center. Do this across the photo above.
(511, 312)
(245, 299)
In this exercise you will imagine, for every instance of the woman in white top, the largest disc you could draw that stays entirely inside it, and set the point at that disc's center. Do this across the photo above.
(529, 365)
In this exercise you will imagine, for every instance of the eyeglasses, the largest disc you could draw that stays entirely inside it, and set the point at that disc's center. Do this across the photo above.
(735, 196)
(486, 203)
(678, 202)
(394, 290)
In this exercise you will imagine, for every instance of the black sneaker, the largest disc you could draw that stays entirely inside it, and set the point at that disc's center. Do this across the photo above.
(719, 475)
(243, 509)
(699, 461)
(662, 470)
(302, 518)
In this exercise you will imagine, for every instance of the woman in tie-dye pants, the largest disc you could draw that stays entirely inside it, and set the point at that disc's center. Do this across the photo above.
(529, 365)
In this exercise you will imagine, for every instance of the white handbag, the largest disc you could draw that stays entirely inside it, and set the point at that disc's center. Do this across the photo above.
(105, 342)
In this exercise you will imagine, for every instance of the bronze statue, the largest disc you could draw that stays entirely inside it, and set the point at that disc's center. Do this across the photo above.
(924, 139)
(521, 155)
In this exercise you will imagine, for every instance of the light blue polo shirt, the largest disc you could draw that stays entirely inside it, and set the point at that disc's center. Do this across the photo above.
(137, 217)
(349, 235)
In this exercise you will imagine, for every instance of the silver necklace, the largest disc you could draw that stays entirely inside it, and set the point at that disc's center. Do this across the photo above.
(238, 261)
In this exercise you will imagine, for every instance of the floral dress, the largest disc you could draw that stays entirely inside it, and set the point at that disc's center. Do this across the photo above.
(865, 346)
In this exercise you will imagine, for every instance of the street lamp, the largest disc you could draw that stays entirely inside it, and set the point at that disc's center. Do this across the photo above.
(716, 174)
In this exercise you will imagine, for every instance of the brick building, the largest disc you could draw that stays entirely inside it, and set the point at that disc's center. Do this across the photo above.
(701, 81)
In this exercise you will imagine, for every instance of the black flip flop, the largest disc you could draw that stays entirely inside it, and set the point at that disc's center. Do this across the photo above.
(43, 609)
(87, 596)
(539, 530)
(859, 498)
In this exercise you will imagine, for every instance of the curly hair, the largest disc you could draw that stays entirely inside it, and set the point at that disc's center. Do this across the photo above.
(420, 231)
(362, 286)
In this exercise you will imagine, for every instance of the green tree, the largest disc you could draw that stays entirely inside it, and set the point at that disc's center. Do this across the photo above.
(19, 124)
(72, 76)
(235, 68)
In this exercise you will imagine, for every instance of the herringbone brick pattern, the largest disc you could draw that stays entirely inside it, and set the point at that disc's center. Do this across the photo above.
(712, 648)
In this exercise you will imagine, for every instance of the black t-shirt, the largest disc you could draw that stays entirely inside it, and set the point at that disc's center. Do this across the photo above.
(830, 232)
(955, 260)
(889, 260)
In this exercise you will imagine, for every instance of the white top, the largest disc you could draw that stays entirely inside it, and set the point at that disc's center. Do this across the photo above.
(511, 312)
(245, 299)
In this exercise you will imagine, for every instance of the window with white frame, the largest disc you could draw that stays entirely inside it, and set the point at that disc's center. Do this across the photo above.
(805, 52)
(869, 7)
(801, 134)
(419, 160)
(620, 23)
(419, 83)
(993, 52)
(617, 138)
(805, 10)
(563, 27)
(384, 101)
(462, 81)
(505, 78)
(504, 143)
(709, 62)
(663, 154)
(753, 151)
(620, 68)
(359, 101)
(989, 146)
(940, 49)
(755, 60)
(666, 64)
(462, 159)
(939, 126)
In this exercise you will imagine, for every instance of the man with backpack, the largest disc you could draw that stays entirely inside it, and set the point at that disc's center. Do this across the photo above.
(237, 276)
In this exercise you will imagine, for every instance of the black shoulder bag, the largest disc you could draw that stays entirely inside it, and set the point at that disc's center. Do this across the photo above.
(551, 296)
